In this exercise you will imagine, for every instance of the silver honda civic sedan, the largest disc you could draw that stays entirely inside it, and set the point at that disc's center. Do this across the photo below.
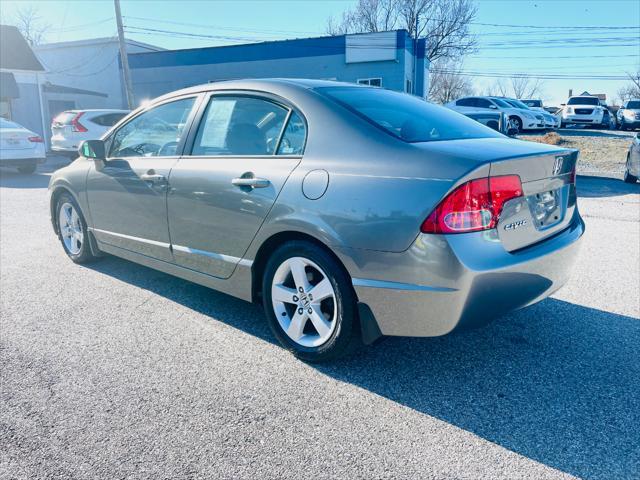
(349, 212)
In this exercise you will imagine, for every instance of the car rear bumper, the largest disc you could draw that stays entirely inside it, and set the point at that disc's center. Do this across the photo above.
(454, 282)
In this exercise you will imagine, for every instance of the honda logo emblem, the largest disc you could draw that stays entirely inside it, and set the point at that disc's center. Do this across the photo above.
(557, 166)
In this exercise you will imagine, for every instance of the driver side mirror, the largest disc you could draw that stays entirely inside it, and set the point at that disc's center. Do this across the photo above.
(493, 107)
(93, 149)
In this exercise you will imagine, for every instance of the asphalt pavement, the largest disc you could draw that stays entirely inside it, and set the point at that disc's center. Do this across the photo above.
(114, 370)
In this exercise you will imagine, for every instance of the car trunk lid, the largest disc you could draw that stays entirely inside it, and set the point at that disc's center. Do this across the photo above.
(15, 139)
(548, 201)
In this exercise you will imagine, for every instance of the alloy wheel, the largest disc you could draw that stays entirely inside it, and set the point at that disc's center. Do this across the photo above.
(70, 228)
(304, 302)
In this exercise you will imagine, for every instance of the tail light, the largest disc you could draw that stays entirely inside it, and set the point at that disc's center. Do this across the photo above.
(75, 123)
(473, 206)
(36, 139)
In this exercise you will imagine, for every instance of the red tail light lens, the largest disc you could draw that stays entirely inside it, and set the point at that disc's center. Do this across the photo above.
(473, 206)
(36, 139)
(75, 123)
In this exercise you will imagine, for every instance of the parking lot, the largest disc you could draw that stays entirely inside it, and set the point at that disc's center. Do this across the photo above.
(114, 370)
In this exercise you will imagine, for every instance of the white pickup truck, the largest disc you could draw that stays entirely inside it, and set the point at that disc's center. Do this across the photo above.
(585, 110)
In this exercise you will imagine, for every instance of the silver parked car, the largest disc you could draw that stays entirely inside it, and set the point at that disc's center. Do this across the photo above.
(632, 165)
(349, 212)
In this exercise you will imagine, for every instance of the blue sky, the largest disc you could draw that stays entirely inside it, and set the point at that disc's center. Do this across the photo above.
(551, 50)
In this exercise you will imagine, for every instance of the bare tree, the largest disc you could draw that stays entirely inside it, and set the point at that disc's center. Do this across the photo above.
(632, 89)
(526, 87)
(30, 24)
(517, 87)
(447, 84)
(497, 89)
(444, 23)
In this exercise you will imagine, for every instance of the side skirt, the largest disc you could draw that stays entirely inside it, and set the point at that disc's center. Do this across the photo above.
(238, 285)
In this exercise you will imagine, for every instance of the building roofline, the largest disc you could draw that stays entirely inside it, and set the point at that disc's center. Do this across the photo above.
(269, 42)
(96, 41)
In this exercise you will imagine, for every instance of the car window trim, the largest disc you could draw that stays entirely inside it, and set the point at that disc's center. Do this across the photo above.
(266, 96)
(136, 113)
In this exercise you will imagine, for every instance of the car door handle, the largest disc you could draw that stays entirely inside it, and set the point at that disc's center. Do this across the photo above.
(251, 182)
(153, 178)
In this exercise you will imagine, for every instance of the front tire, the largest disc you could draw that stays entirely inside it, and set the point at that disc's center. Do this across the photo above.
(72, 230)
(517, 124)
(309, 302)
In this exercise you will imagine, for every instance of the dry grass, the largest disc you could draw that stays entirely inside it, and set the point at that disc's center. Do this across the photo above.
(551, 138)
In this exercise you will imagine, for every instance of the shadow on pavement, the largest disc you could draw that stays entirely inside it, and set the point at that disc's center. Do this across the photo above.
(555, 382)
(593, 186)
(9, 179)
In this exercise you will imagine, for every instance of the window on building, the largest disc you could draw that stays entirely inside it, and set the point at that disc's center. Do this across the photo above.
(372, 82)
(154, 133)
(294, 136)
(235, 125)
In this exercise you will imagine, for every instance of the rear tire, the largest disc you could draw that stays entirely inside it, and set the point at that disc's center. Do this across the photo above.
(313, 329)
(72, 230)
(28, 169)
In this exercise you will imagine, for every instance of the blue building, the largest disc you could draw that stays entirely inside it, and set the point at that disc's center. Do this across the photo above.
(385, 59)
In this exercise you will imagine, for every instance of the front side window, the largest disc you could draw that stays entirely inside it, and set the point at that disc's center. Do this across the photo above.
(484, 103)
(236, 125)
(154, 133)
(406, 117)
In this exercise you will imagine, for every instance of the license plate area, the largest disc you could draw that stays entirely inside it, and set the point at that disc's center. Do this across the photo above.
(546, 208)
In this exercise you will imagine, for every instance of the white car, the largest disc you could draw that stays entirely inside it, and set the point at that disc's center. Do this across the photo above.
(585, 110)
(632, 166)
(520, 119)
(629, 115)
(70, 128)
(550, 121)
(19, 147)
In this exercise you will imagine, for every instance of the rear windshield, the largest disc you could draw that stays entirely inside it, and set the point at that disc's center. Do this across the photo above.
(584, 101)
(4, 123)
(406, 117)
(634, 104)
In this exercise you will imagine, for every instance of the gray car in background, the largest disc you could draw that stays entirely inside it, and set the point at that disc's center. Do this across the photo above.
(349, 212)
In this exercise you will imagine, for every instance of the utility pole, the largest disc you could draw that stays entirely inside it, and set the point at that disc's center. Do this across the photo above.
(415, 58)
(123, 57)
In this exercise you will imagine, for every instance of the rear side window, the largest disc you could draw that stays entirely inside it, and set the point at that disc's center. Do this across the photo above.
(466, 102)
(407, 117)
(154, 133)
(294, 136)
(108, 119)
(237, 125)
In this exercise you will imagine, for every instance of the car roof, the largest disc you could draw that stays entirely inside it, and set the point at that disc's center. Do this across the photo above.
(260, 84)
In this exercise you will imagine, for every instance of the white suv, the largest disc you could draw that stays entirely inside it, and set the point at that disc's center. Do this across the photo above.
(520, 119)
(585, 110)
(70, 128)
